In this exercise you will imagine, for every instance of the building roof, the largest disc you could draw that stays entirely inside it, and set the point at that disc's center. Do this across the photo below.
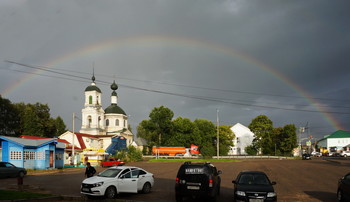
(93, 88)
(339, 134)
(37, 137)
(29, 142)
(114, 109)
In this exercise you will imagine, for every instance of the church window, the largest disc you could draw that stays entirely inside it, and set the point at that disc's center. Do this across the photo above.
(89, 121)
(98, 123)
(107, 122)
(124, 123)
(117, 122)
(90, 99)
(97, 99)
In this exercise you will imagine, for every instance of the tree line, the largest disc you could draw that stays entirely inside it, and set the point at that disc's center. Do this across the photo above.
(162, 130)
(28, 119)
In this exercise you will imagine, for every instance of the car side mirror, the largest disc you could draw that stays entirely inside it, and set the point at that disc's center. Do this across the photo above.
(273, 183)
(233, 181)
(219, 172)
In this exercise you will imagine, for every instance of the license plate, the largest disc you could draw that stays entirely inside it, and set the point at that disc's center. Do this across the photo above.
(86, 189)
(256, 200)
(193, 187)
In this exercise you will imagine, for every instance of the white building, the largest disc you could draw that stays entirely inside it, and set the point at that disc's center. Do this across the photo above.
(243, 138)
(336, 142)
(99, 126)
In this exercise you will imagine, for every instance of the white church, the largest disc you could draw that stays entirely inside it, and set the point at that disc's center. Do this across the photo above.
(100, 128)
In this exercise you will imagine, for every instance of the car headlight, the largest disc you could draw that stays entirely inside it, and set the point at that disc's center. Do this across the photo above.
(240, 193)
(98, 184)
(271, 194)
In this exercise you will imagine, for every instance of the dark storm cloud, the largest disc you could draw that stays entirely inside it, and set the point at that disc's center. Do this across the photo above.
(307, 41)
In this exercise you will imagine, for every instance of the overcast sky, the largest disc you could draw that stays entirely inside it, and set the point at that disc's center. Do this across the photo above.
(288, 60)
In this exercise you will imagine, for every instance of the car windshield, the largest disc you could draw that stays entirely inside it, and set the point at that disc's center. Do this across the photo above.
(109, 173)
(253, 179)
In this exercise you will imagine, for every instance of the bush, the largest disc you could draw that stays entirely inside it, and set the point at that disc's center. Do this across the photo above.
(251, 150)
(134, 154)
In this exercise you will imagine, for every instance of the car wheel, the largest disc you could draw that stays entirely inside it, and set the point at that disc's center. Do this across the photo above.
(345, 155)
(111, 192)
(146, 188)
(21, 174)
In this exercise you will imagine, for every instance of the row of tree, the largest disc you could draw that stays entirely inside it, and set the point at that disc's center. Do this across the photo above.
(28, 119)
(162, 130)
(269, 140)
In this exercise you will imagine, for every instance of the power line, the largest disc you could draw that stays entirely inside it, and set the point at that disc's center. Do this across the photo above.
(45, 68)
(170, 93)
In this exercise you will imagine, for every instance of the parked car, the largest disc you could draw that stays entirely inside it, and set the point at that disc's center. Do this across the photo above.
(197, 180)
(118, 179)
(306, 156)
(345, 153)
(112, 162)
(343, 192)
(253, 186)
(316, 154)
(9, 170)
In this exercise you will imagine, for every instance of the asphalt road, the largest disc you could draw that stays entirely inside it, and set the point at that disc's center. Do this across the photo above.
(297, 180)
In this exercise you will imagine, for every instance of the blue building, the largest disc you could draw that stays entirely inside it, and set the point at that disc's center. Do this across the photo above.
(32, 153)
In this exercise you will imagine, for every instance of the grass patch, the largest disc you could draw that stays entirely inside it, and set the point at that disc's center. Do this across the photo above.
(15, 195)
(193, 160)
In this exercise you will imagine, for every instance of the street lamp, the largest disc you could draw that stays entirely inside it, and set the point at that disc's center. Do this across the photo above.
(217, 133)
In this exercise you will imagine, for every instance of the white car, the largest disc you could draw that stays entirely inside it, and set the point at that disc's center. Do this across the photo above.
(345, 153)
(118, 179)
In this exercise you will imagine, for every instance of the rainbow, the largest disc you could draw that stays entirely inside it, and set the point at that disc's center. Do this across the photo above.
(173, 41)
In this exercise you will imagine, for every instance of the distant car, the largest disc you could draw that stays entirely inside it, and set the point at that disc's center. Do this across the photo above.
(306, 157)
(253, 186)
(118, 179)
(199, 180)
(343, 192)
(9, 170)
(112, 162)
(345, 153)
(316, 154)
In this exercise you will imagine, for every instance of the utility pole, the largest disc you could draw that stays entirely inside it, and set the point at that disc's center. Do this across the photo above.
(217, 133)
(73, 145)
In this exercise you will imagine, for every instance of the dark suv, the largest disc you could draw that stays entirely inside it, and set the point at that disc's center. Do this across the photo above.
(197, 180)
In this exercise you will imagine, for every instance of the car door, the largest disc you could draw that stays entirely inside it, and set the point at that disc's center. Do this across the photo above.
(127, 183)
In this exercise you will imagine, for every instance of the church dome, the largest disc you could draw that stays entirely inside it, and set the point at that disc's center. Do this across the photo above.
(114, 109)
(92, 88)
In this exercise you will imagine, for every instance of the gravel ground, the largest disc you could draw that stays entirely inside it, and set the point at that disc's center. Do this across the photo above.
(297, 180)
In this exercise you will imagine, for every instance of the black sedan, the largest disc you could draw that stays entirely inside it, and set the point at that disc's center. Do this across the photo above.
(10, 170)
(253, 186)
(343, 192)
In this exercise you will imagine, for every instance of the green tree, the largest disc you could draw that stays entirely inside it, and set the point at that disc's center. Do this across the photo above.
(184, 133)
(158, 129)
(287, 139)
(35, 120)
(225, 139)
(9, 118)
(207, 131)
(262, 127)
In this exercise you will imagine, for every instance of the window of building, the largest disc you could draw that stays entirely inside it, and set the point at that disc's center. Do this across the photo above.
(29, 155)
(97, 99)
(107, 122)
(89, 121)
(117, 122)
(40, 156)
(90, 99)
(16, 155)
